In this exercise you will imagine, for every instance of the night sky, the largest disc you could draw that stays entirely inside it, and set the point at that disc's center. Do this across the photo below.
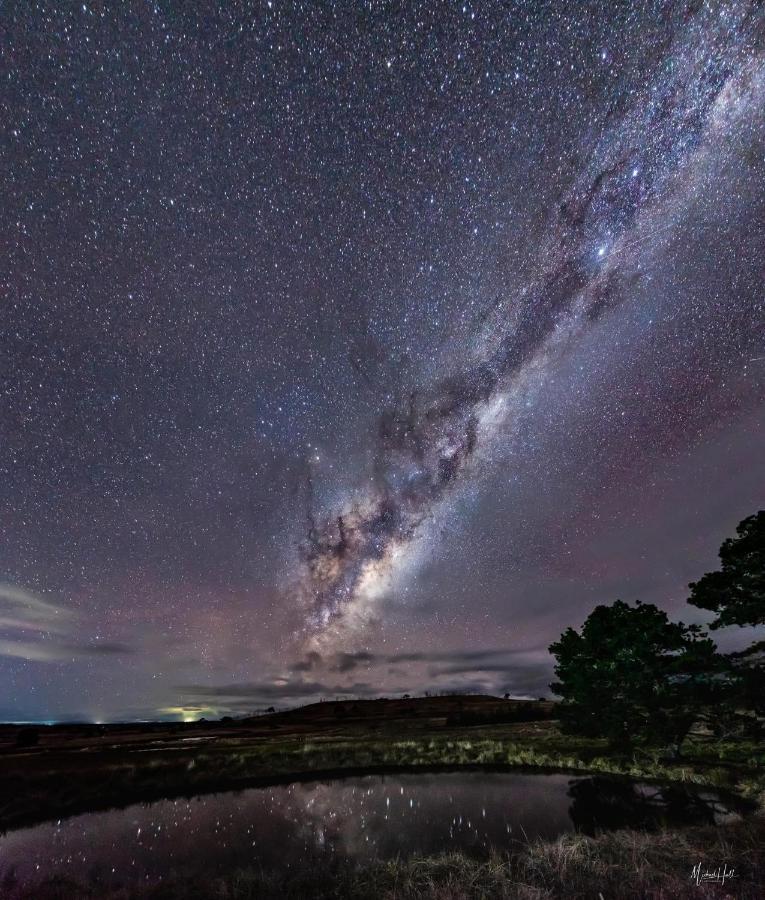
(360, 348)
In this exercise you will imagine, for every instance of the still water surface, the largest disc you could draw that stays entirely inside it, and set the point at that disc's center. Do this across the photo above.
(355, 818)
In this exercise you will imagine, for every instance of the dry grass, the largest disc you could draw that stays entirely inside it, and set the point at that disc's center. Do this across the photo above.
(624, 864)
(52, 786)
(620, 865)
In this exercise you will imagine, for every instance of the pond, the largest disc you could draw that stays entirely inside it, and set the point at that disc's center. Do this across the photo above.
(357, 818)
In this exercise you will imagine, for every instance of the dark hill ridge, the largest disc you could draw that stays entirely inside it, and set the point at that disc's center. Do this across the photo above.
(475, 709)
(453, 708)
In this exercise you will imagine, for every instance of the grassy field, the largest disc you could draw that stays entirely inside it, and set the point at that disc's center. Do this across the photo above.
(626, 865)
(76, 770)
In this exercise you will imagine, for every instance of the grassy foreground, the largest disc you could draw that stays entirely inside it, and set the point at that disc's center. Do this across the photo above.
(53, 785)
(620, 864)
(58, 779)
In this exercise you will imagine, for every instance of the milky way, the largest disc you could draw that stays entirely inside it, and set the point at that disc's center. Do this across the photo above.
(709, 81)
(361, 348)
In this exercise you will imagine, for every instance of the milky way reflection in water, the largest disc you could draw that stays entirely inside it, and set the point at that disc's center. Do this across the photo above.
(355, 818)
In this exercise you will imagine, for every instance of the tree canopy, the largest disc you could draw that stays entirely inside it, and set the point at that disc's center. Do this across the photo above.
(736, 591)
(632, 674)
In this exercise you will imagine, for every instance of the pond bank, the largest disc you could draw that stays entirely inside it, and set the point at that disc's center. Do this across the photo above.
(35, 786)
(622, 865)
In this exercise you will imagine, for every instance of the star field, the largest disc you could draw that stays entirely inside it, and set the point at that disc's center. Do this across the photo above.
(364, 347)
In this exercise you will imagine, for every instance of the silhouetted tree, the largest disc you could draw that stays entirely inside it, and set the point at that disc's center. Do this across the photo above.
(633, 675)
(736, 592)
